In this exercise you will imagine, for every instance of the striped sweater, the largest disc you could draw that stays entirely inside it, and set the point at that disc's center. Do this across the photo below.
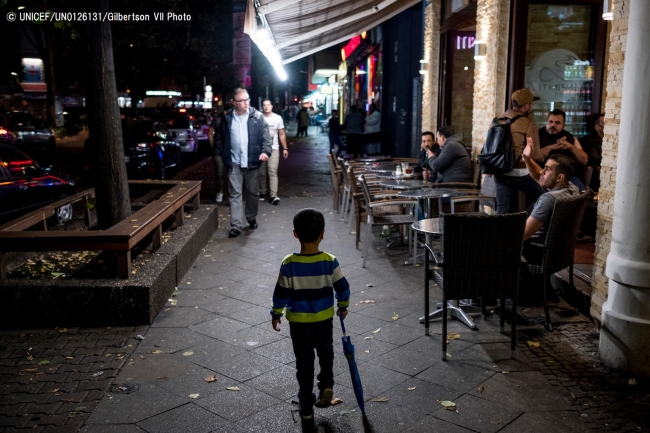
(306, 287)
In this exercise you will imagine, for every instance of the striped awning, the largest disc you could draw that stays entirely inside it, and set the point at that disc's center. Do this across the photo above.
(298, 28)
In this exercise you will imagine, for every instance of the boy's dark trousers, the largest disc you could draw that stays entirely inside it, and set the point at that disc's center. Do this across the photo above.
(305, 338)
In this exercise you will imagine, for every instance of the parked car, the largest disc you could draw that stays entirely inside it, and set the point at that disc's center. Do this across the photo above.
(27, 133)
(181, 124)
(25, 186)
(201, 126)
(150, 150)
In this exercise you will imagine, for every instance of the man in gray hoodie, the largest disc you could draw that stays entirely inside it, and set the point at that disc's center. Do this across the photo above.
(244, 142)
(452, 164)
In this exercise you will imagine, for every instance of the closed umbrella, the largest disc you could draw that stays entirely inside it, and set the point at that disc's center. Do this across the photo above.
(348, 351)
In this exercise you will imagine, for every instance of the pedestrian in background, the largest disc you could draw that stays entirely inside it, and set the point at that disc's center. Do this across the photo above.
(353, 125)
(334, 126)
(243, 141)
(303, 122)
(306, 287)
(218, 161)
(372, 131)
(270, 167)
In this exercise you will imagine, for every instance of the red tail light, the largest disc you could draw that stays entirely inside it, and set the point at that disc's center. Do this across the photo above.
(3, 131)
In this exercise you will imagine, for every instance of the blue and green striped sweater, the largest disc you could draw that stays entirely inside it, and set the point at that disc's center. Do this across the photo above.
(306, 287)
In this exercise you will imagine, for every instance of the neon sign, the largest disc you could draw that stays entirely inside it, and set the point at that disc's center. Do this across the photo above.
(465, 42)
(350, 47)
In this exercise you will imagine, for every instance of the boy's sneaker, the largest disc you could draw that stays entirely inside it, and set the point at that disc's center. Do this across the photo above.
(325, 398)
(262, 196)
(219, 198)
(275, 200)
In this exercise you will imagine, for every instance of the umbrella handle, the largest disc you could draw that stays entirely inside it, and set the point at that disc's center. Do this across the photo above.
(342, 324)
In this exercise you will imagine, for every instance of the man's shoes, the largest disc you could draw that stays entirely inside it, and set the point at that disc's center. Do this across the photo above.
(262, 196)
(252, 224)
(275, 200)
(219, 198)
(234, 233)
(325, 398)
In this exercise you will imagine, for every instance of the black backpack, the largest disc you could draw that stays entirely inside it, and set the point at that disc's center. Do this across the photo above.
(498, 155)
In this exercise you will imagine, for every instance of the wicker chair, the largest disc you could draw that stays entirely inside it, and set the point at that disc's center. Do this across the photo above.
(481, 258)
(382, 212)
(558, 248)
(337, 183)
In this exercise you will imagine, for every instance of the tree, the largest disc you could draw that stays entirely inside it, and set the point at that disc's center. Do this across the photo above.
(104, 124)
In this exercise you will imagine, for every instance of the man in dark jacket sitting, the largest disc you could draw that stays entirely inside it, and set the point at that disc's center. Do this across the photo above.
(244, 142)
(452, 165)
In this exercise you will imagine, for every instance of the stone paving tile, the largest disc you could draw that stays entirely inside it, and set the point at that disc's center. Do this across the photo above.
(277, 418)
(114, 428)
(423, 398)
(280, 382)
(153, 368)
(194, 298)
(222, 328)
(253, 316)
(375, 379)
(170, 340)
(556, 422)
(478, 414)
(147, 401)
(237, 405)
(456, 375)
(211, 354)
(280, 350)
(187, 418)
(246, 366)
(495, 356)
(398, 333)
(226, 306)
(181, 317)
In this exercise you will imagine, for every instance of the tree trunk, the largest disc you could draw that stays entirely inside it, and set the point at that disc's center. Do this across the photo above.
(104, 125)
(48, 63)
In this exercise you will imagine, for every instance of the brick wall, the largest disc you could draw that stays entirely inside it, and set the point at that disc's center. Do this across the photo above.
(492, 25)
(614, 91)
(432, 54)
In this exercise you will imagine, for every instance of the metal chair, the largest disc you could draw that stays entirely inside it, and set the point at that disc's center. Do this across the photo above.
(337, 183)
(558, 248)
(481, 258)
(382, 212)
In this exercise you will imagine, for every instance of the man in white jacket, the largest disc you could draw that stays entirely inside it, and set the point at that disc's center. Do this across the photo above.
(372, 130)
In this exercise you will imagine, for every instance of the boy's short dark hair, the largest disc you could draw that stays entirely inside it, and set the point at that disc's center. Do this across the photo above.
(308, 224)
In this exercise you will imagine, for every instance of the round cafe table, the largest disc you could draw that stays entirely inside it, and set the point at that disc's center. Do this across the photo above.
(374, 159)
(393, 176)
(406, 184)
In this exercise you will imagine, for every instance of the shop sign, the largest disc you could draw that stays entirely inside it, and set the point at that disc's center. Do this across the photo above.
(350, 47)
(465, 42)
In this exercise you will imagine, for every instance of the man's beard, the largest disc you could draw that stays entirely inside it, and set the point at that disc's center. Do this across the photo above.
(554, 137)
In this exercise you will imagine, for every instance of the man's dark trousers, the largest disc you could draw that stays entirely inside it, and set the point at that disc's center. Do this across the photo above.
(307, 337)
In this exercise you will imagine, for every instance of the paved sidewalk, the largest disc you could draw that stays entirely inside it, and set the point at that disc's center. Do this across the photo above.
(219, 324)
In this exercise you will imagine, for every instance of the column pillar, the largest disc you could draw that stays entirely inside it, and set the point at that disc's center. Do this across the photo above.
(625, 334)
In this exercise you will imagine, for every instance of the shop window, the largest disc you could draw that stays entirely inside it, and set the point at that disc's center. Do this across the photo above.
(560, 63)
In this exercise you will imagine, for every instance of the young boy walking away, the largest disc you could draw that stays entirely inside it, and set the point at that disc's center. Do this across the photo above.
(306, 287)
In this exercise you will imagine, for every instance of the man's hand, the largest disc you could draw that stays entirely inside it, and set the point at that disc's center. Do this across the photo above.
(275, 323)
(528, 150)
(562, 143)
(285, 153)
(342, 313)
(264, 157)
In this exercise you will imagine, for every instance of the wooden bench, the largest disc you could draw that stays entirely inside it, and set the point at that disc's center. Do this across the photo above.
(121, 238)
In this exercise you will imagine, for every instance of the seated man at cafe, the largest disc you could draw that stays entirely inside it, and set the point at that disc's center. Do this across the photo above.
(555, 140)
(554, 178)
(452, 164)
(428, 142)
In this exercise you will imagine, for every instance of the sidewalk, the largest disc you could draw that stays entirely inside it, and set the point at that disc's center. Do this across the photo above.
(219, 324)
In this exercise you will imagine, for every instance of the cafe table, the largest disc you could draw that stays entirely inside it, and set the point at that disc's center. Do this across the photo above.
(391, 175)
(426, 194)
(374, 159)
(431, 226)
(406, 184)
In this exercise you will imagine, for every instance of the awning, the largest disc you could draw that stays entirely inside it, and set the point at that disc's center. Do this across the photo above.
(34, 87)
(298, 28)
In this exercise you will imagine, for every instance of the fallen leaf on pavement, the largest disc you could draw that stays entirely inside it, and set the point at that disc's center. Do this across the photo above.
(368, 301)
(376, 330)
(381, 399)
(141, 357)
(506, 372)
(193, 396)
(481, 389)
(395, 316)
(449, 405)
(44, 362)
(233, 388)
(99, 373)
(336, 401)
(368, 338)
(157, 352)
(62, 330)
(532, 343)
(453, 336)
(573, 396)
(188, 353)
(367, 351)
(369, 285)
(211, 379)
(411, 388)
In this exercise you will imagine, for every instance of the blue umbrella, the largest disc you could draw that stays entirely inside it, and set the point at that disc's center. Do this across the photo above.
(348, 351)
